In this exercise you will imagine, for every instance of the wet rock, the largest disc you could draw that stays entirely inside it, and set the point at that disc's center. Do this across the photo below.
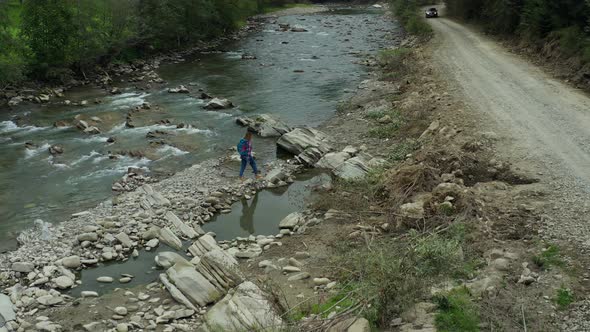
(71, 262)
(179, 89)
(105, 279)
(23, 267)
(14, 101)
(298, 29)
(56, 149)
(125, 280)
(245, 309)
(264, 125)
(92, 130)
(115, 91)
(60, 124)
(218, 104)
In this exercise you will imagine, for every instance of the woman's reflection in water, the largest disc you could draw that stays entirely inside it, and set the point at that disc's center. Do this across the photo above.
(247, 218)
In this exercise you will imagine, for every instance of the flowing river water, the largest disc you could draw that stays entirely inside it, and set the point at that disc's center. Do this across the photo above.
(36, 185)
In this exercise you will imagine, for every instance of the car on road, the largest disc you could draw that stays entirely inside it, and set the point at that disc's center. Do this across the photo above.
(432, 12)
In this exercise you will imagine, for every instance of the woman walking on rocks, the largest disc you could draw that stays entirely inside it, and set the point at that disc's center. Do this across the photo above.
(245, 150)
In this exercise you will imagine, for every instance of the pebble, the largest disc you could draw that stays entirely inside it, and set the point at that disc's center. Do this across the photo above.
(88, 294)
(122, 311)
(321, 281)
(105, 279)
(289, 269)
(125, 280)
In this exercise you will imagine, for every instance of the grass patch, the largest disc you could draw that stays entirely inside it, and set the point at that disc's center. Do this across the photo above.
(394, 59)
(401, 150)
(564, 297)
(549, 257)
(337, 303)
(391, 275)
(409, 15)
(457, 312)
(386, 129)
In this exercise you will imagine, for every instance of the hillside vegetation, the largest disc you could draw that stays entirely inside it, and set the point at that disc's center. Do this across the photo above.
(56, 38)
(564, 23)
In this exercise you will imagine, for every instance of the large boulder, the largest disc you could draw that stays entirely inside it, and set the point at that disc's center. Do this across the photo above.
(300, 139)
(193, 284)
(354, 168)
(245, 309)
(218, 104)
(332, 160)
(265, 125)
(291, 220)
(168, 237)
(167, 259)
(221, 269)
(203, 245)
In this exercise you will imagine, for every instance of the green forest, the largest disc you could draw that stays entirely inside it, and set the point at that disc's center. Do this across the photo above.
(534, 21)
(52, 39)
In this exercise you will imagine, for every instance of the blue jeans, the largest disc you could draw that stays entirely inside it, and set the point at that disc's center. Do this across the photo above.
(245, 163)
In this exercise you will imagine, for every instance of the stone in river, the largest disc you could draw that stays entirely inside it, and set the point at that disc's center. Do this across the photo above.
(125, 280)
(104, 279)
(218, 103)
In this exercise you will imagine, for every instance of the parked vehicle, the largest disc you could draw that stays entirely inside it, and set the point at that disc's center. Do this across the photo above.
(432, 12)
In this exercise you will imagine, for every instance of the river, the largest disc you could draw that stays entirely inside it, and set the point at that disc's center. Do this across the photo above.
(33, 184)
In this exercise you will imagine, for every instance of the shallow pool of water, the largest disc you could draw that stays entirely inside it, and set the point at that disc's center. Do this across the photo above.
(258, 216)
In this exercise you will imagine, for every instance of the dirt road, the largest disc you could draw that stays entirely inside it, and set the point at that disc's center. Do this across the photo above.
(547, 121)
